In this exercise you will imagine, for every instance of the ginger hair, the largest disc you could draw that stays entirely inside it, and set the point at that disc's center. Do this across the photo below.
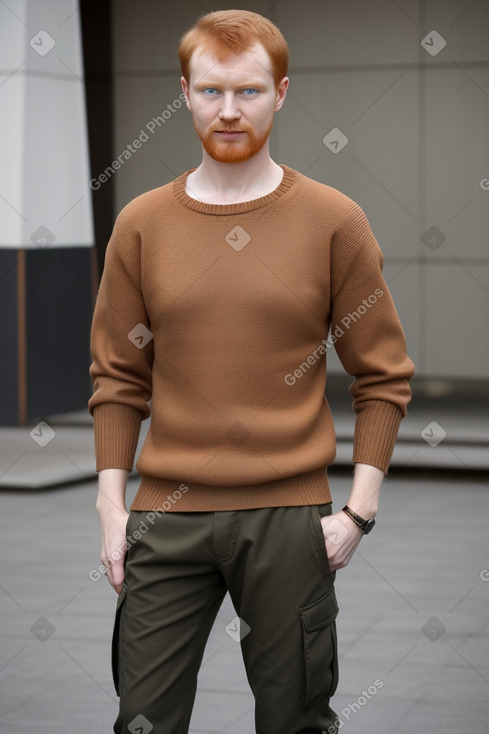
(233, 31)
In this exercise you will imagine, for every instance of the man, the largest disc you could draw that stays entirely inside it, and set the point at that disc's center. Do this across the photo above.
(218, 293)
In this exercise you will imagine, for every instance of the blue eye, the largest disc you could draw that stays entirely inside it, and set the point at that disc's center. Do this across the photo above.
(212, 91)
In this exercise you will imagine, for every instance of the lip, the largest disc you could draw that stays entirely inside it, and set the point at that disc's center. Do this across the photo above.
(230, 133)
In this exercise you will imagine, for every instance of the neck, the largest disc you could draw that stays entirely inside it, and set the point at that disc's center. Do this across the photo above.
(233, 179)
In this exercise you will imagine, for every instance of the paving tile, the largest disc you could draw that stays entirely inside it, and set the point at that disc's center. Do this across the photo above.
(429, 546)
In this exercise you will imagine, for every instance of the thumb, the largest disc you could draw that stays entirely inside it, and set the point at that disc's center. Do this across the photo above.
(116, 575)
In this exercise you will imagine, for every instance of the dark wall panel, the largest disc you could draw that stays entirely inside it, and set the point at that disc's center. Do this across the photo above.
(96, 23)
(8, 338)
(59, 311)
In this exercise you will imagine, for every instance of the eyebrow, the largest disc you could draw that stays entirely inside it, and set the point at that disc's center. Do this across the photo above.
(217, 84)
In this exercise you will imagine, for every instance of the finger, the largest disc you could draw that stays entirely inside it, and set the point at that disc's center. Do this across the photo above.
(108, 573)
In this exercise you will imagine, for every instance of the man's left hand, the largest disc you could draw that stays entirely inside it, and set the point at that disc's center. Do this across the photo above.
(342, 537)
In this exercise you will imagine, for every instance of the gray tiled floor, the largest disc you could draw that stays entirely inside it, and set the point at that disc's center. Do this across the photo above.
(424, 560)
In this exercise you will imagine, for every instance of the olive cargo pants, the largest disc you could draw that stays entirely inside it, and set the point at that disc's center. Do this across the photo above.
(273, 562)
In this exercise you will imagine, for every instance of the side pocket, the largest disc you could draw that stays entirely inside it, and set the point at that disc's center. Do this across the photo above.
(117, 640)
(320, 647)
(317, 512)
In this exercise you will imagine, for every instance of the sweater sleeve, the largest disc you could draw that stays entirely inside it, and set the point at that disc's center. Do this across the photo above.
(369, 340)
(121, 349)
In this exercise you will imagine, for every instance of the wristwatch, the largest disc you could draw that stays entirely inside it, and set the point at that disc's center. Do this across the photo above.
(364, 525)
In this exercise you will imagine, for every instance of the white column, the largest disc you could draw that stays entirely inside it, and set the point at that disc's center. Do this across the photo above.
(45, 199)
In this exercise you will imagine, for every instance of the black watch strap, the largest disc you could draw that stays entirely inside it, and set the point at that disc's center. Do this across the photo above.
(364, 525)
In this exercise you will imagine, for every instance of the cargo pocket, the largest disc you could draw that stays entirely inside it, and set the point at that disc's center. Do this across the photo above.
(320, 647)
(117, 640)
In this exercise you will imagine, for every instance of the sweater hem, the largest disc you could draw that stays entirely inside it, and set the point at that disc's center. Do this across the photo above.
(166, 495)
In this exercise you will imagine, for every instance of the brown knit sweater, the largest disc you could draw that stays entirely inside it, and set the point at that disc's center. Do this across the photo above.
(219, 315)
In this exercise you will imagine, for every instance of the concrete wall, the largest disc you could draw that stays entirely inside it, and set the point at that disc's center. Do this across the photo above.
(416, 115)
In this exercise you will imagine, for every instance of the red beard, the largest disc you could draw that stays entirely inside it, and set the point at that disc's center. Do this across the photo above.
(233, 151)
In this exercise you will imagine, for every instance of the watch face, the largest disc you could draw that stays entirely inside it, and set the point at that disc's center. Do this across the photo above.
(368, 526)
(364, 525)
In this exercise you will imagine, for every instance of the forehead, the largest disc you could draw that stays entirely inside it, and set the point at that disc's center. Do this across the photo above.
(255, 60)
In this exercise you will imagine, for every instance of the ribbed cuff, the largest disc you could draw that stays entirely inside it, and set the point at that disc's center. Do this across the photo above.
(376, 428)
(116, 430)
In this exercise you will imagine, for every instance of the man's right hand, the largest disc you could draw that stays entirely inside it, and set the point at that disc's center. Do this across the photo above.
(113, 516)
(113, 551)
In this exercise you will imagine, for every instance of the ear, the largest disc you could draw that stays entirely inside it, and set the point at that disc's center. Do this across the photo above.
(281, 92)
(184, 84)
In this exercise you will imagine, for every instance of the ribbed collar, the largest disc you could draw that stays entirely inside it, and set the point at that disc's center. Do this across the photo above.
(288, 179)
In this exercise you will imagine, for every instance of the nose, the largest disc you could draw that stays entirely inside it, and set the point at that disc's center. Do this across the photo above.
(229, 108)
